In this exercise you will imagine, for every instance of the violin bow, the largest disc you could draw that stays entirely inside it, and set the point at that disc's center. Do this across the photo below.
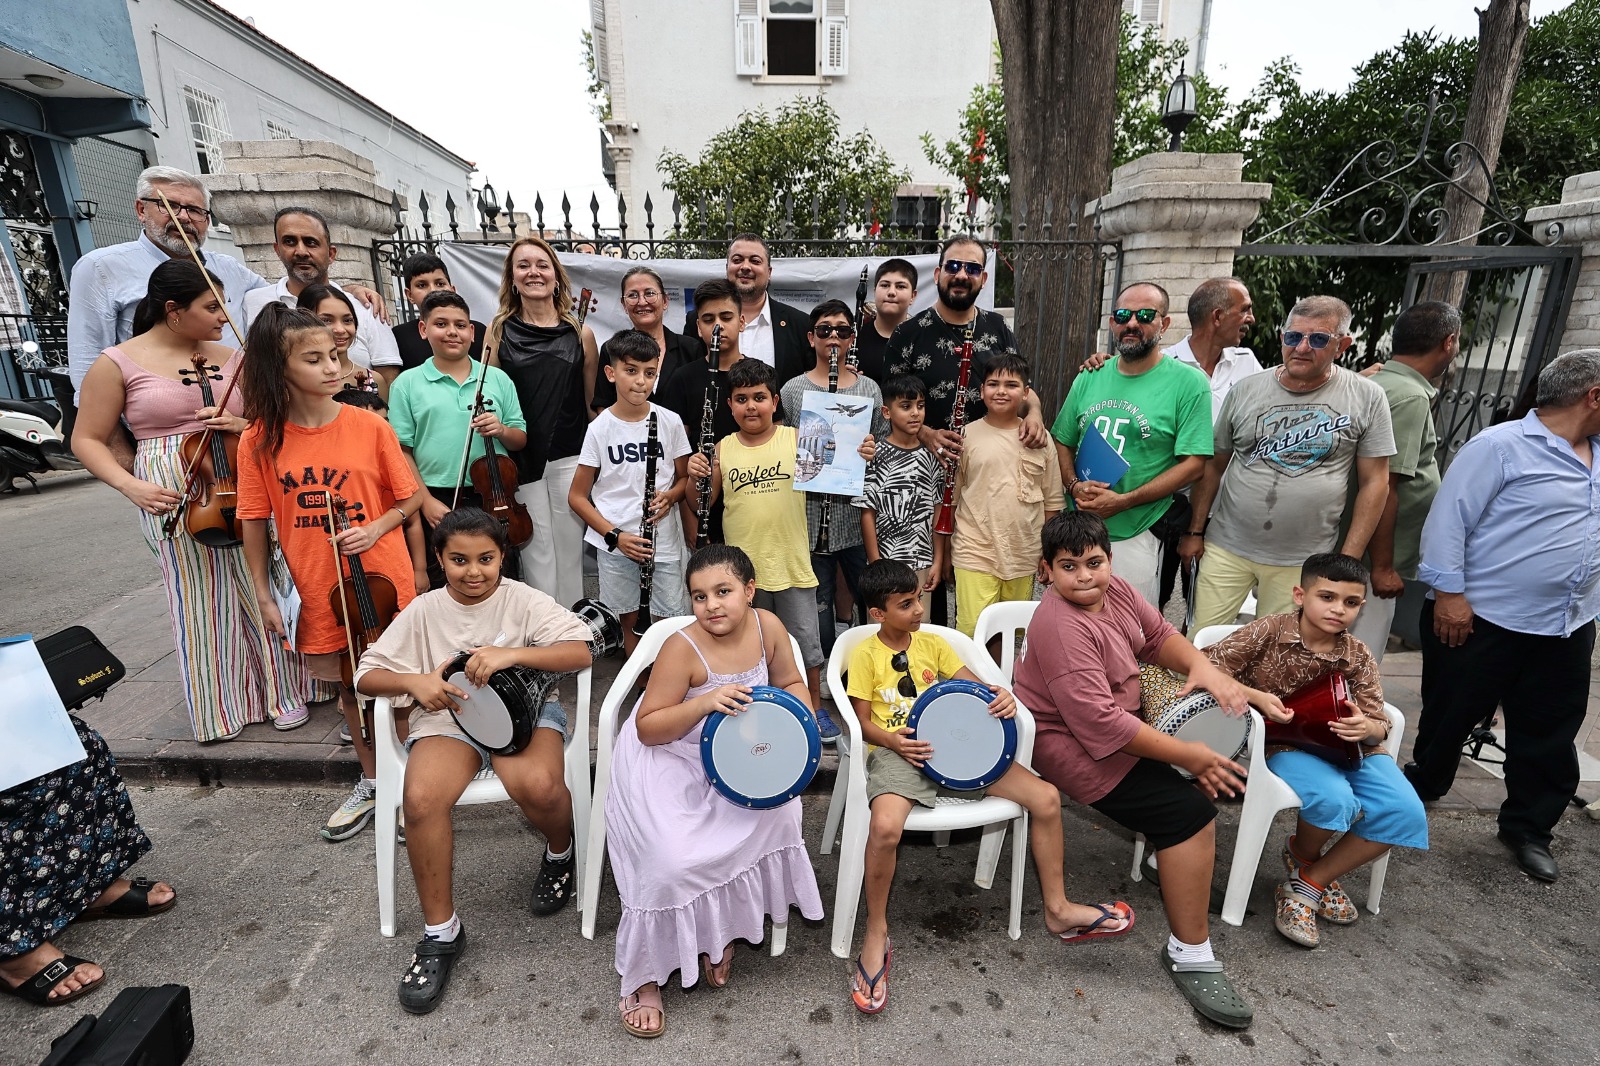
(466, 448)
(338, 583)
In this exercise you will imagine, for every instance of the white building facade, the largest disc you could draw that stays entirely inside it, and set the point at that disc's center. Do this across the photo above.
(211, 76)
(1177, 20)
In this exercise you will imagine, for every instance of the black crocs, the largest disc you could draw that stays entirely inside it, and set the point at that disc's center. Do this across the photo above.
(555, 884)
(428, 976)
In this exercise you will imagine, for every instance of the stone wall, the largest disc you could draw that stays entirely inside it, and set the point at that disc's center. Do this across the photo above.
(1578, 218)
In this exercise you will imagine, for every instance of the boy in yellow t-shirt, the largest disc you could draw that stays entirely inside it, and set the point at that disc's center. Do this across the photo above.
(887, 673)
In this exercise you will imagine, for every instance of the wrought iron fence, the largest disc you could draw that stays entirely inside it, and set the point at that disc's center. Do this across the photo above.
(33, 356)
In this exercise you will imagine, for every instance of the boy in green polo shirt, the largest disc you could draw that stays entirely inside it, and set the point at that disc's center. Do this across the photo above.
(1156, 413)
(430, 408)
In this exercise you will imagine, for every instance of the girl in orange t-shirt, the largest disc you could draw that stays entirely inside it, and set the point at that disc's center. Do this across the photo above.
(302, 446)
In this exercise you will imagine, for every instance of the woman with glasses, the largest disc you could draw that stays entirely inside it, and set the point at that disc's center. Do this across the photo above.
(644, 300)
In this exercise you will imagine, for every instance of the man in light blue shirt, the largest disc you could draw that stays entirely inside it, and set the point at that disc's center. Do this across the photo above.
(1512, 551)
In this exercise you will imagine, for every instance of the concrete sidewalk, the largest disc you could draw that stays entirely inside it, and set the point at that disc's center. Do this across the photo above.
(144, 720)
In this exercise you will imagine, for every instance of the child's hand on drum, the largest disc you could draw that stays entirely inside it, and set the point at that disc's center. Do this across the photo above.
(488, 661)
(1214, 774)
(1358, 727)
(912, 750)
(1269, 705)
(433, 693)
(729, 699)
(1004, 704)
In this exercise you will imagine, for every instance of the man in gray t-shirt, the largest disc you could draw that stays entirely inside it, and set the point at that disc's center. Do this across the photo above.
(1286, 442)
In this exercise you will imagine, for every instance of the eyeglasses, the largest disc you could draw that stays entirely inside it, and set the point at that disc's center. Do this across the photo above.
(640, 297)
(902, 663)
(181, 210)
(1317, 341)
(955, 267)
(1145, 315)
(842, 332)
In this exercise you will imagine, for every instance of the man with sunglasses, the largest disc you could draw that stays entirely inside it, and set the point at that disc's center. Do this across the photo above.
(1287, 443)
(1156, 413)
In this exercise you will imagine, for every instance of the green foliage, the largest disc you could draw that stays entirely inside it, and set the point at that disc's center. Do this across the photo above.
(599, 95)
(797, 153)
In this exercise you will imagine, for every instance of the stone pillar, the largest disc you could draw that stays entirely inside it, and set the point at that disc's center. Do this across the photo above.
(1576, 221)
(1181, 216)
(260, 177)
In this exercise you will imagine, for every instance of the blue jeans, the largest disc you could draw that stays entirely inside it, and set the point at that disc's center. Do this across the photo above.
(1378, 793)
(852, 561)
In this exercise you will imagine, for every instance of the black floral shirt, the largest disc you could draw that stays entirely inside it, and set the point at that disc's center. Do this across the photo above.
(928, 347)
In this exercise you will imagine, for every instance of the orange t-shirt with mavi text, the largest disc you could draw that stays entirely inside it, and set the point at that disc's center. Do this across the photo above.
(357, 458)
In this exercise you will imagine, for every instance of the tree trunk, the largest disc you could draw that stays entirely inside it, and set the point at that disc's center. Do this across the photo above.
(1502, 37)
(1060, 61)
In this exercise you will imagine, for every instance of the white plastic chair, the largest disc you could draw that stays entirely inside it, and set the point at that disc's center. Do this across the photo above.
(391, 758)
(994, 814)
(614, 710)
(1005, 620)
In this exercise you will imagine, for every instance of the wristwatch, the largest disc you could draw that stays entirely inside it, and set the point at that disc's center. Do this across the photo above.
(613, 537)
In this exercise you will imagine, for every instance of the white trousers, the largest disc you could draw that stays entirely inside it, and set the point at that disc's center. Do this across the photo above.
(1138, 562)
(1374, 622)
(552, 561)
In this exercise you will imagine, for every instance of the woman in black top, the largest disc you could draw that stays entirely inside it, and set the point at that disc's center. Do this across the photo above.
(535, 339)
(644, 299)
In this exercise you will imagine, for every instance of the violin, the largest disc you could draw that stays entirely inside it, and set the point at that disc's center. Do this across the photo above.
(211, 493)
(363, 605)
(494, 478)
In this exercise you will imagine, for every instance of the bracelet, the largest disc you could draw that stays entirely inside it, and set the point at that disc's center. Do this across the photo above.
(404, 518)
(1191, 533)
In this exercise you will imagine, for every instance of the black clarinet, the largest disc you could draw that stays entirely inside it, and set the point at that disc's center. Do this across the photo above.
(708, 440)
(852, 358)
(647, 530)
(827, 503)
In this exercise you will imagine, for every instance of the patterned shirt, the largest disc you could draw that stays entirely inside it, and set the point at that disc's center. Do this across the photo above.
(1269, 655)
(928, 347)
(904, 486)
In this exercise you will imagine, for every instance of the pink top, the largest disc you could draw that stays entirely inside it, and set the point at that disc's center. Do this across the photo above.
(1080, 678)
(156, 406)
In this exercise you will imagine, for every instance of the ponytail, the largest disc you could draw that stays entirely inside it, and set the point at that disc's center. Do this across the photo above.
(177, 281)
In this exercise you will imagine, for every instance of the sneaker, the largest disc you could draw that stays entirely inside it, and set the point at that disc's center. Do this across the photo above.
(826, 726)
(554, 887)
(1337, 906)
(1294, 918)
(292, 719)
(344, 734)
(354, 813)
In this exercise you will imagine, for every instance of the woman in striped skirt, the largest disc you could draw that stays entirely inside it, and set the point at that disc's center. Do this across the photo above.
(234, 672)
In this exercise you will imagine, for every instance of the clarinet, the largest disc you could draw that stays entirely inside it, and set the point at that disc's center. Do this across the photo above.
(852, 358)
(647, 530)
(945, 523)
(827, 504)
(708, 440)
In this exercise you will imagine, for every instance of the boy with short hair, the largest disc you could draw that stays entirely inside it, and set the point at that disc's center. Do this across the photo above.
(1079, 675)
(1005, 493)
(1276, 655)
(904, 485)
(611, 469)
(887, 672)
(894, 289)
(832, 327)
(425, 273)
(430, 408)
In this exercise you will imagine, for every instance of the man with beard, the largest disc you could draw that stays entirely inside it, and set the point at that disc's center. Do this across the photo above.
(305, 247)
(774, 332)
(1156, 413)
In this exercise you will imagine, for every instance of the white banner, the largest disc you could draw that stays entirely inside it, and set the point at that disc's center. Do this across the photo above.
(475, 270)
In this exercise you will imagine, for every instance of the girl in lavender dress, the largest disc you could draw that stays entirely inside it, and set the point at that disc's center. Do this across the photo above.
(695, 871)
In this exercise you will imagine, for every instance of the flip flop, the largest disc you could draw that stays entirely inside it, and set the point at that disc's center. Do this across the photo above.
(36, 989)
(1109, 912)
(867, 999)
(1208, 990)
(134, 903)
(632, 1002)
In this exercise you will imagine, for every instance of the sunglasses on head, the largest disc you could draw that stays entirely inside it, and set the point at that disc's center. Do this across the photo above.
(901, 662)
(958, 266)
(1145, 315)
(1317, 341)
(842, 332)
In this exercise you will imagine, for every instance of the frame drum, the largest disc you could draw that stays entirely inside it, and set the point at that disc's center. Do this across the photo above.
(1196, 717)
(501, 715)
(765, 755)
(972, 748)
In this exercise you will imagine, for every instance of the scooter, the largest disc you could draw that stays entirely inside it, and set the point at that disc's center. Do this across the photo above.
(31, 441)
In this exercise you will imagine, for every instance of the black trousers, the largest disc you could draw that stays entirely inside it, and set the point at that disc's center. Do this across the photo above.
(1541, 685)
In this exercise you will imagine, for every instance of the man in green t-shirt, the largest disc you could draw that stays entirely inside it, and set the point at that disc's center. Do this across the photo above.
(1427, 338)
(1156, 413)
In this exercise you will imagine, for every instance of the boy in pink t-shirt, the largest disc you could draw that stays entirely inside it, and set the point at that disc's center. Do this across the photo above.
(1080, 677)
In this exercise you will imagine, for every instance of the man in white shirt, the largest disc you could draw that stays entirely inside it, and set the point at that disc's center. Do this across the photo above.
(1220, 314)
(774, 332)
(304, 246)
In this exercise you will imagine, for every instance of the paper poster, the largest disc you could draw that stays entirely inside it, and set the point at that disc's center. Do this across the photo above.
(36, 735)
(832, 428)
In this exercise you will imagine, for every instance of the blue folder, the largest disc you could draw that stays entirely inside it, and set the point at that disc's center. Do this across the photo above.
(1097, 460)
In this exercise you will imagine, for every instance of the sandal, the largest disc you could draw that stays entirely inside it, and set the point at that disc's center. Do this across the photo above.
(871, 994)
(708, 969)
(134, 903)
(1109, 912)
(554, 886)
(36, 989)
(631, 1003)
(428, 976)
(1208, 990)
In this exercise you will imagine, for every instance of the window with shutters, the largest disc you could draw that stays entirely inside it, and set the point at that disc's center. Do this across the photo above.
(791, 38)
(602, 56)
(279, 131)
(208, 126)
(1148, 12)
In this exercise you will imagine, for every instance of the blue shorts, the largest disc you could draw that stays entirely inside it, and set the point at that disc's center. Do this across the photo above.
(1377, 793)
(551, 716)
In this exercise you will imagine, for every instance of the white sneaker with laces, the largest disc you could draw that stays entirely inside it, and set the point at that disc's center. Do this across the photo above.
(354, 813)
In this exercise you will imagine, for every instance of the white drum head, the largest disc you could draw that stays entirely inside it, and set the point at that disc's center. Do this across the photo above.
(968, 742)
(483, 716)
(761, 752)
(1217, 730)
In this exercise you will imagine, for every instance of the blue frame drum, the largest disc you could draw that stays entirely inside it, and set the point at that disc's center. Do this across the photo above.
(765, 755)
(972, 748)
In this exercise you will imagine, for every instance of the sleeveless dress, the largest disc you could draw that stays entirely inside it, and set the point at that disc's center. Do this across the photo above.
(234, 672)
(694, 870)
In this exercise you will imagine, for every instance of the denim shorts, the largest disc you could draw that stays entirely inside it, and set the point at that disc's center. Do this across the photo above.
(619, 585)
(428, 724)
